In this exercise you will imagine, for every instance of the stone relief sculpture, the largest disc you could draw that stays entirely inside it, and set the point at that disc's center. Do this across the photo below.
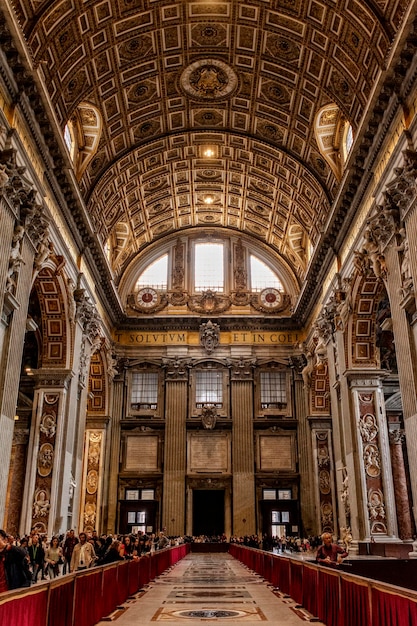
(48, 425)
(372, 460)
(15, 259)
(208, 417)
(407, 285)
(209, 336)
(368, 427)
(376, 510)
(344, 494)
(308, 370)
(41, 504)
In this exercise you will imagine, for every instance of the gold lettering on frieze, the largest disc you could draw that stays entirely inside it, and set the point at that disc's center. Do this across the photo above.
(143, 338)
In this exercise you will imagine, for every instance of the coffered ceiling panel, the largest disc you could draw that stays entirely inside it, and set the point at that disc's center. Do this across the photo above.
(243, 79)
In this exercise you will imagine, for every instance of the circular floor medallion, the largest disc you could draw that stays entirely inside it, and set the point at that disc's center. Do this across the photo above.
(209, 614)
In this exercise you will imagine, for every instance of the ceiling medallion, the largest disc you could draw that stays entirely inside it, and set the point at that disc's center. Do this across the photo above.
(208, 79)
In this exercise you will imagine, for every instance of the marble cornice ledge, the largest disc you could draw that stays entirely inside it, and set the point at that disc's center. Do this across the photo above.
(52, 378)
(178, 323)
(366, 377)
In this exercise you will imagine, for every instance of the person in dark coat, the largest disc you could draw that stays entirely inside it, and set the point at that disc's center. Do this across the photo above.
(37, 557)
(14, 568)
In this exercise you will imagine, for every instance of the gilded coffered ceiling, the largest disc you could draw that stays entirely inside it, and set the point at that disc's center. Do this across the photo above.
(169, 80)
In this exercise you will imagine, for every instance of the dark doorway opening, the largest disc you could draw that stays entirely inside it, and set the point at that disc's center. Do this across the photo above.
(208, 512)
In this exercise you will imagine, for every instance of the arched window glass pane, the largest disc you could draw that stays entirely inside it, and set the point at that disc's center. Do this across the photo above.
(349, 139)
(262, 276)
(208, 270)
(155, 275)
(67, 138)
(107, 249)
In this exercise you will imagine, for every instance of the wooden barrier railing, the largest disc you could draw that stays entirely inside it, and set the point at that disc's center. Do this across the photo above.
(84, 598)
(335, 597)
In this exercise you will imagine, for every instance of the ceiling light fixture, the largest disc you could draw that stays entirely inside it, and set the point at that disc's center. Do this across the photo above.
(208, 199)
(208, 152)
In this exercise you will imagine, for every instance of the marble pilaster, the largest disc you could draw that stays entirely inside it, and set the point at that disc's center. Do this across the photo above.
(243, 462)
(114, 450)
(375, 473)
(173, 503)
(15, 307)
(305, 463)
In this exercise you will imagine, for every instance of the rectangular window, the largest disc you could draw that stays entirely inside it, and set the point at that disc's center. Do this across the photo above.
(284, 494)
(273, 390)
(209, 267)
(140, 517)
(285, 517)
(132, 494)
(269, 494)
(131, 517)
(148, 494)
(278, 530)
(144, 390)
(275, 517)
(209, 388)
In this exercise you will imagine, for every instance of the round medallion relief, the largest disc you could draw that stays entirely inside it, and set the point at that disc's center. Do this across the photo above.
(208, 79)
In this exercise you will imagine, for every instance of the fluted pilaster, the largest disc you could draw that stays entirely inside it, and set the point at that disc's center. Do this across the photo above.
(173, 503)
(12, 341)
(305, 463)
(116, 415)
(243, 462)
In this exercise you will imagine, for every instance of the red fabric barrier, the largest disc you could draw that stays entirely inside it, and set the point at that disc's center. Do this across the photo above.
(284, 575)
(83, 599)
(328, 598)
(109, 599)
(133, 576)
(296, 581)
(88, 598)
(275, 569)
(310, 582)
(390, 609)
(122, 581)
(144, 571)
(355, 603)
(61, 602)
(27, 609)
(153, 566)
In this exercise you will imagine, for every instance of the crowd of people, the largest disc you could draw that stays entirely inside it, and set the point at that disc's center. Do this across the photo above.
(26, 560)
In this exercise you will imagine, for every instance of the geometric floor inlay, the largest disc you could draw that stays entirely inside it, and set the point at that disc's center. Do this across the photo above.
(203, 614)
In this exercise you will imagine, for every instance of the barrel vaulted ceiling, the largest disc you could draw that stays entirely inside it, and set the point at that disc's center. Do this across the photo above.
(167, 80)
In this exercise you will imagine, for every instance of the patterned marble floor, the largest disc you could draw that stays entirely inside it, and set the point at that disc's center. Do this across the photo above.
(205, 588)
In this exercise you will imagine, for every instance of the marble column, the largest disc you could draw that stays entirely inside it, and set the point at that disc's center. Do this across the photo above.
(173, 499)
(243, 461)
(305, 463)
(113, 451)
(405, 527)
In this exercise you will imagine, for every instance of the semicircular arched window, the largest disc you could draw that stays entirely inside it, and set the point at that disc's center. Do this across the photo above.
(262, 276)
(155, 275)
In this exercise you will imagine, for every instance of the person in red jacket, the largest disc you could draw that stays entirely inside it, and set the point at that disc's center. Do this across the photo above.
(330, 553)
